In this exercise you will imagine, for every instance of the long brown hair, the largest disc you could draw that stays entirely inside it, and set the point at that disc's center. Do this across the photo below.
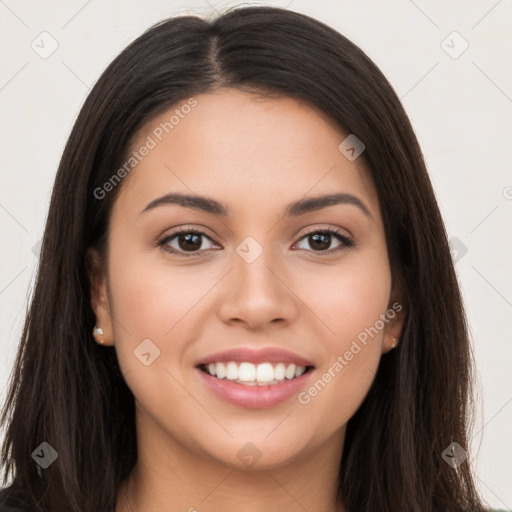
(69, 392)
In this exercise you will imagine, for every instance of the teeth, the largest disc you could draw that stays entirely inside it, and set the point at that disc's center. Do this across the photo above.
(264, 373)
(231, 371)
(299, 371)
(219, 369)
(247, 372)
(280, 371)
(254, 375)
(290, 371)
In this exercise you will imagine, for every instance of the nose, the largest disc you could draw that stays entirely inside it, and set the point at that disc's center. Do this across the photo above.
(256, 293)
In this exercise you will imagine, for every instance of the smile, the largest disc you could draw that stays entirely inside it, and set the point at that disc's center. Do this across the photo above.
(249, 374)
(254, 377)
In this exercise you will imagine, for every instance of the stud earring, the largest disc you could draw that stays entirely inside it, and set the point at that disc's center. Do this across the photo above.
(97, 332)
(395, 342)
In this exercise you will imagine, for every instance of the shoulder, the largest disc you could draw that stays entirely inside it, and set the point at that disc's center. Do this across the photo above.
(11, 502)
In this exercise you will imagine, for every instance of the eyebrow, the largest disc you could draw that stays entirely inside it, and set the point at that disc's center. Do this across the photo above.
(300, 207)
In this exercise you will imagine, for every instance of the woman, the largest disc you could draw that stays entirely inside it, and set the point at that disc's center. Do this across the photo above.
(243, 222)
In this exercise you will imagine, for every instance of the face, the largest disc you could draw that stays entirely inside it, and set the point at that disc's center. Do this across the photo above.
(290, 317)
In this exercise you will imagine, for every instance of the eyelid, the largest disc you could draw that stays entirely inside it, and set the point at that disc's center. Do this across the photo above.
(329, 229)
(188, 228)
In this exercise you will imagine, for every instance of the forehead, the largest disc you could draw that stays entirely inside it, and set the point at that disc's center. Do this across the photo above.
(246, 150)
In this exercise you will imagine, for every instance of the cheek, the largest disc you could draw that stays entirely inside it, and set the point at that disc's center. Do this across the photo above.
(153, 301)
(150, 297)
(350, 304)
(350, 298)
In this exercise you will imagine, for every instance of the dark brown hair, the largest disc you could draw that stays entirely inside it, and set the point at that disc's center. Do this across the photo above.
(68, 391)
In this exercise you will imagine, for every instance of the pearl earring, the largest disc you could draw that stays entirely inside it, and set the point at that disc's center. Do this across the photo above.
(97, 332)
(395, 342)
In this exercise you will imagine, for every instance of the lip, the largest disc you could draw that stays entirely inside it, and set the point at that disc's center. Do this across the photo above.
(254, 397)
(255, 356)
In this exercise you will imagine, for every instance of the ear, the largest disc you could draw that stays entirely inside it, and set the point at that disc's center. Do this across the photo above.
(99, 296)
(395, 315)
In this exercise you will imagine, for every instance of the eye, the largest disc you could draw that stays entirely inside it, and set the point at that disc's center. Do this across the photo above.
(320, 240)
(187, 241)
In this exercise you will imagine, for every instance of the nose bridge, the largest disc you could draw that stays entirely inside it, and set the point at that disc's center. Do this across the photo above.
(256, 266)
(256, 293)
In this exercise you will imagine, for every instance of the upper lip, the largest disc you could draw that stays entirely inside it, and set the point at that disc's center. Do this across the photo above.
(255, 355)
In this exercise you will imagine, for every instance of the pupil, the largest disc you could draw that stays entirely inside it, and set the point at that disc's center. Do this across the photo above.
(196, 244)
(318, 236)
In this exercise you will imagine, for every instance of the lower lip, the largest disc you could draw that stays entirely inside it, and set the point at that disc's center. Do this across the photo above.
(254, 397)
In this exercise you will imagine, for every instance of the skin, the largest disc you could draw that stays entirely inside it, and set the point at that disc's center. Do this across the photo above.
(256, 156)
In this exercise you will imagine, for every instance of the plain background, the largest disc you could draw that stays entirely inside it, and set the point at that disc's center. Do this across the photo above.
(459, 101)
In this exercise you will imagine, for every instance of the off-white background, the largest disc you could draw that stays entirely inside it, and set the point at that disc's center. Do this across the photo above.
(461, 109)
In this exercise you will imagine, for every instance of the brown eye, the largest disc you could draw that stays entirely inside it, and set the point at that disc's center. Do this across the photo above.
(184, 241)
(320, 240)
(189, 241)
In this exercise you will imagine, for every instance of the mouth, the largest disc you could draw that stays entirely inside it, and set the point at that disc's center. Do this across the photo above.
(246, 373)
(254, 378)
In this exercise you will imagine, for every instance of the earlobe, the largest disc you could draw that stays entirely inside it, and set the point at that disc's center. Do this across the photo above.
(390, 343)
(102, 332)
(394, 325)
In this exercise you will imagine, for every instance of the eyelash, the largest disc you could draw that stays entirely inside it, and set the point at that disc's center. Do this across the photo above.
(347, 242)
